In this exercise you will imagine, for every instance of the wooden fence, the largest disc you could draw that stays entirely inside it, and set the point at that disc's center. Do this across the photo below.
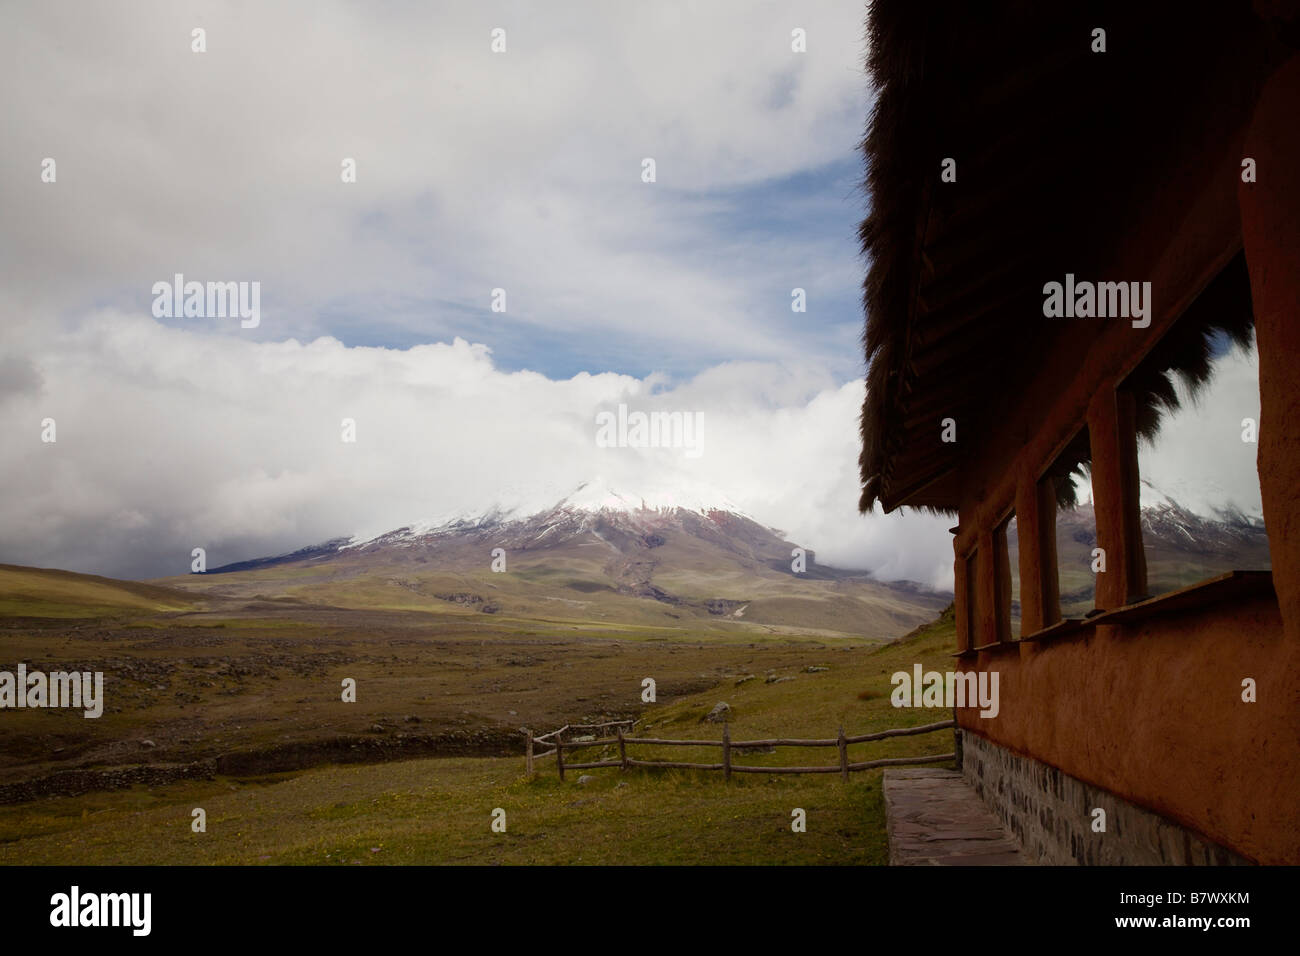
(555, 740)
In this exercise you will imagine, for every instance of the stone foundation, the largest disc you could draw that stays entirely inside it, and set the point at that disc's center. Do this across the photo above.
(1051, 814)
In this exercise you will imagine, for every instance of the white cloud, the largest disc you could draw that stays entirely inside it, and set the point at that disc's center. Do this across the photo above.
(475, 170)
(170, 440)
(1198, 457)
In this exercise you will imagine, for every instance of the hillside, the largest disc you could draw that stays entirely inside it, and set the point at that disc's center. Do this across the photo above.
(594, 559)
(1182, 546)
(46, 592)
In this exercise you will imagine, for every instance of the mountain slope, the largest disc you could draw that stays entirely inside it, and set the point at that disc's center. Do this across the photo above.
(594, 558)
(1182, 546)
(47, 592)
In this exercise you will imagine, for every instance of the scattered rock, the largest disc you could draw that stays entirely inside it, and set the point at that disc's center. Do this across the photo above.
(620, 785)
(814, 669)
(773, 679)
(376, 728)
(148, 744)
(585, 779)
(412, 719)
(745, 679)
(720, 712)
(460, 597)
(724, 605)
(514, 713)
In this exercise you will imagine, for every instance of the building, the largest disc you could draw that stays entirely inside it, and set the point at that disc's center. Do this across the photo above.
(1014, 145)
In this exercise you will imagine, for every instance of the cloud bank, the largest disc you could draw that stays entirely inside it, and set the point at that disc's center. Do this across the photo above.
(169, 440)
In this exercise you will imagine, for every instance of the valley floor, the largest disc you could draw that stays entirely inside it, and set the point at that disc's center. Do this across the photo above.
(203, 689)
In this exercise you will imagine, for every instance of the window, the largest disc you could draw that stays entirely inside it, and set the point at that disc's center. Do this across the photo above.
(1198, 427)
(1007, 544)
(1066, 502)
(970, 617)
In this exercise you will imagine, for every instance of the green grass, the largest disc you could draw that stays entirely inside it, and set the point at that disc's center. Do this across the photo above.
(440, 810)
(38, 592)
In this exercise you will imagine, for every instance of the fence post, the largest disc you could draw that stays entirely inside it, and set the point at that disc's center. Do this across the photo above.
(559, 753)
(622, 748)
(726, 751)
(528, 752)
(844, 755)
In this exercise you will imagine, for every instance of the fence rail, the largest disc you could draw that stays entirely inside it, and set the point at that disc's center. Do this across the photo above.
(555, 740)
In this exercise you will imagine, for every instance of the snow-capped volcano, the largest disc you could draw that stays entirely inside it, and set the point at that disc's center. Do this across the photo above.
(1202, 499)
(1188, 535)
(591, 498)
(1206, 500)
(1208, 526)
(598, 495)
(668, 559)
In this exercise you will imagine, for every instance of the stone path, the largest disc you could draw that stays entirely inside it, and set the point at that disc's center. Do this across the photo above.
(936, 819)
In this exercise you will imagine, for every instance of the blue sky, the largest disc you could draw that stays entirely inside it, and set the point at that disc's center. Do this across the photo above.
(804, 215)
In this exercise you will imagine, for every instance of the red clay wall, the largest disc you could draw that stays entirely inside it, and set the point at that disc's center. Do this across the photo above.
(1153, 713)
(1270, 217)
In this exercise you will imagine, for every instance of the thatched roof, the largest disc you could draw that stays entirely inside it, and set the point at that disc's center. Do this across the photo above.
(1057, 149)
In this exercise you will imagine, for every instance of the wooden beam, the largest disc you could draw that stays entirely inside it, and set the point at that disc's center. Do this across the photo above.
(1135, 564)
(986, 592)
(961, 580)
(1028, 518)
(1048, 562)
(1001, 584)
(1112, 433)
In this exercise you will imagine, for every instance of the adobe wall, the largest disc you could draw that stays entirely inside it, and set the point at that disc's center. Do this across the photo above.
(1153, 713)
(1270, 218)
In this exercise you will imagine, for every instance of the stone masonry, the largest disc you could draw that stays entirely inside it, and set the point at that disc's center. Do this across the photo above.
(1050, 814)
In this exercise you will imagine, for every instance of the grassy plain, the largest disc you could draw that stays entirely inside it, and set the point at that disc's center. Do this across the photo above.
(207, 681)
